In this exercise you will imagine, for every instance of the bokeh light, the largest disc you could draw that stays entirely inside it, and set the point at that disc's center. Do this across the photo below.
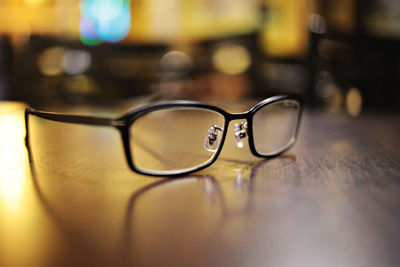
(88, 32)
(354, 102)
(317, 23)
(231, 59)
(176, 62)
(76, 61)
(50, 61)
(104, 20)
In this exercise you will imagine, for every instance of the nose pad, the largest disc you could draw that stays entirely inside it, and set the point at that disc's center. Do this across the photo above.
(240, 131)
(212, 139)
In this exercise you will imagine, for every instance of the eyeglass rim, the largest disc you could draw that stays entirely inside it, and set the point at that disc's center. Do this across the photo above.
(130, 117)
(124, 123)
(261, 105)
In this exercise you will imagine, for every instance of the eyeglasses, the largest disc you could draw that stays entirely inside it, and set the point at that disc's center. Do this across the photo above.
(180, 137)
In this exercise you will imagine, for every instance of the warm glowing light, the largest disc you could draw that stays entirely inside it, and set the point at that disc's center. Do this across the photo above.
(286, 31)
(104, 20)
(354, 102)
(231, 59)
(12, 161)
(20, 228)
(35, 2)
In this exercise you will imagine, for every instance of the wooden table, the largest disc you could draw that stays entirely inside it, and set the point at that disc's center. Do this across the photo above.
(332, 200)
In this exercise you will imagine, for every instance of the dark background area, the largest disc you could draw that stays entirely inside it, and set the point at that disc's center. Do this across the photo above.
(339, 55)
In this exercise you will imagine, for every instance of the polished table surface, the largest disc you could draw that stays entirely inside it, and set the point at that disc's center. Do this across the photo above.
(332, 200)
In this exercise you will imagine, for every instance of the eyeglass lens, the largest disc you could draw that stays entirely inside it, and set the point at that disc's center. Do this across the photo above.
(274, 126)
(177, 139)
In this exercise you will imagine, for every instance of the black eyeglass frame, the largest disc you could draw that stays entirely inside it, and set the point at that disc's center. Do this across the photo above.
(123, 125)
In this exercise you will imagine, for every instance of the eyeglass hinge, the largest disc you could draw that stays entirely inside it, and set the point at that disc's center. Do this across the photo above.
(117, 123)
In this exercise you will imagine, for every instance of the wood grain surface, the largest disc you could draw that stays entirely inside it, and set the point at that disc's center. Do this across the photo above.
(332, 200)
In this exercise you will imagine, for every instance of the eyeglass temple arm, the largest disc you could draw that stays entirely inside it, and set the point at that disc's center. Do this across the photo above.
(87, 120)
(77, 119)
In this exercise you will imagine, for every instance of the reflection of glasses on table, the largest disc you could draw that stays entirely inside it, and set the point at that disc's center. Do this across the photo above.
(179, 137)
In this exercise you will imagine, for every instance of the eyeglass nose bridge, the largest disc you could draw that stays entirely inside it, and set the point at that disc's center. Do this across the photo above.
(240, 131)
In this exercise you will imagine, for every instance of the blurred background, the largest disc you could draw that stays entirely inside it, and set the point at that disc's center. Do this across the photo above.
(340, 55)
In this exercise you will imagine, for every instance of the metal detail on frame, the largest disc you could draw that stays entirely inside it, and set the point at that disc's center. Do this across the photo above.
(240, 131)
(212, 138)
